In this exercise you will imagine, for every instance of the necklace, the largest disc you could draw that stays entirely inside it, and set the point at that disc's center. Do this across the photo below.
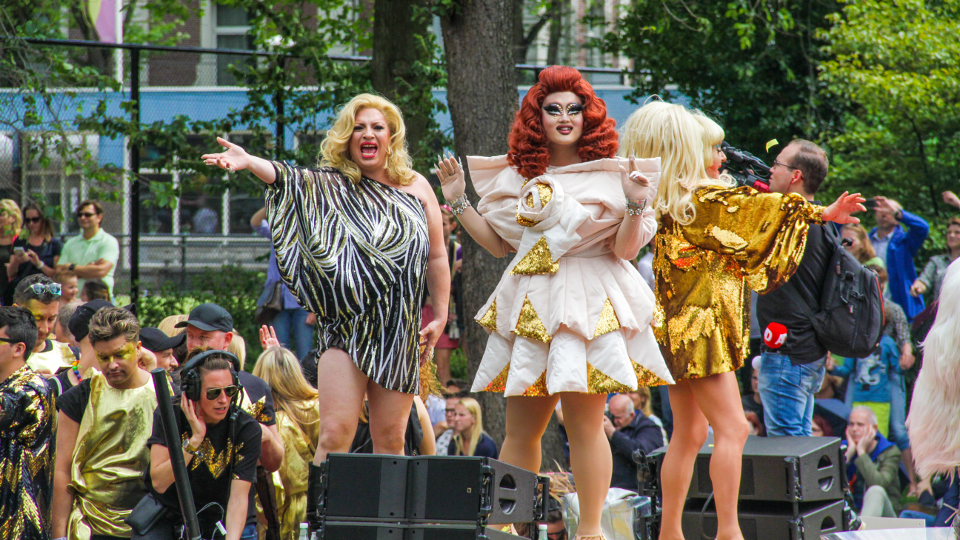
(75, 365)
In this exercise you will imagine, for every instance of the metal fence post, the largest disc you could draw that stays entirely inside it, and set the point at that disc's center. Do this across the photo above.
(135, 174)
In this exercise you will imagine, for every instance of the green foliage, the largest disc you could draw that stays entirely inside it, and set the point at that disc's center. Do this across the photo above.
(234, 288)
(750, 65)
(899, 64)
(458, 365)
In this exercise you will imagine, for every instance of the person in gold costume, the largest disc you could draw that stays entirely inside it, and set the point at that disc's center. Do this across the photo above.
(714, 241)
(298, 418)
(28, 425)
(104, 424)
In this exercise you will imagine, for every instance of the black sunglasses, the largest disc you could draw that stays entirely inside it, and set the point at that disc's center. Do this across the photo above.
(10, 341)
(32, 220)
(231, 391)
(85, 214)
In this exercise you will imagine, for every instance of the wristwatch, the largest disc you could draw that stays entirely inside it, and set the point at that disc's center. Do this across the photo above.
(189, 449)
(72, 267)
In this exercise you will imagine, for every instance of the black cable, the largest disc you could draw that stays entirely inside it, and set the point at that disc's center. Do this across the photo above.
(703, 511)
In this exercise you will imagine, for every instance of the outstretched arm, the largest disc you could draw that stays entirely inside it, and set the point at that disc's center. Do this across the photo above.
(237, 159)
(453, 184)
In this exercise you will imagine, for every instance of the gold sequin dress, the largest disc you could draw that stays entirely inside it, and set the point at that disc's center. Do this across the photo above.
(568, 315)
(740, 238)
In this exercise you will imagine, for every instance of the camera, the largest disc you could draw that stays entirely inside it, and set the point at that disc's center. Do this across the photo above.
(745, 168)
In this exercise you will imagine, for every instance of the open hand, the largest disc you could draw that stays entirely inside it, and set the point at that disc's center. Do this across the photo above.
(268, 337)
(450, 173)
(636, 186)
(839, 211)
(851, 446)
(233, 160)
(194, 413)
(863, 444)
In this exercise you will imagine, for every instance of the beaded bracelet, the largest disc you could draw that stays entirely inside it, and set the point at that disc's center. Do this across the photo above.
(459, 205)
(635, 208)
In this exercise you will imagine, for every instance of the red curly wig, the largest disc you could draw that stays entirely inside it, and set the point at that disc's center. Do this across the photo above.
(528, 143)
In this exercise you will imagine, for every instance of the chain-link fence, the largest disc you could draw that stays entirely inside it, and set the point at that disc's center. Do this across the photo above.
(65, 136)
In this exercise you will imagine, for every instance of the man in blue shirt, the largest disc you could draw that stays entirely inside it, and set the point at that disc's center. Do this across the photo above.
(897, 248)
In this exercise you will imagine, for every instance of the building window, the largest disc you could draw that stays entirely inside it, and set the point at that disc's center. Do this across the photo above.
(231, 26)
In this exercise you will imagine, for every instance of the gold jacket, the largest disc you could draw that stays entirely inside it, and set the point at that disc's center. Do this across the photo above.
(738, 237)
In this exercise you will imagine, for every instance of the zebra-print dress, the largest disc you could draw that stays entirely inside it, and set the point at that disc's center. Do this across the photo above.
(356, 255)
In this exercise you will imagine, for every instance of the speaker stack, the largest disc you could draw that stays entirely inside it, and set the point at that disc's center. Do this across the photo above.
(376, 497)
(791, 488)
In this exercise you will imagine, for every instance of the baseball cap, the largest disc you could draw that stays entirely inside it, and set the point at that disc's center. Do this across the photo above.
(209, 318)
(79, 324)
(154, 340)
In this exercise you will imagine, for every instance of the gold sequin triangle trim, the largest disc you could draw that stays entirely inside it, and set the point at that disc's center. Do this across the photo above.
(489, 319)
(599, 382)
(529, 324)
(608, 320)
(499, 383)
(539, 387)
(645, 377)
(537, 261)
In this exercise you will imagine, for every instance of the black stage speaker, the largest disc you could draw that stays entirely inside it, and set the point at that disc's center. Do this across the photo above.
(445, 488)
(779, 469)
(434, 489)
(768, 521)
(333, 530)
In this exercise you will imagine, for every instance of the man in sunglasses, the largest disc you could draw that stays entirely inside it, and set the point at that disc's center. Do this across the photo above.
(210, 325)
(41, 296)
(103, 428)
(93, 254)
(27, 431)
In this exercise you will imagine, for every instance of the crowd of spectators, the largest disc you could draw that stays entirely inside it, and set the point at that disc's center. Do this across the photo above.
(79, 417)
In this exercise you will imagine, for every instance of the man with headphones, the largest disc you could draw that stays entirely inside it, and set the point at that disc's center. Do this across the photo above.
(221, 447)
(210, 325)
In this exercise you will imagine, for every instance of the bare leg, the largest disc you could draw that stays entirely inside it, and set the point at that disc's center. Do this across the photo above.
(442, 358)
(527, 419)
(341, 386)
(689, 434)
(719, 399)
(590, 456)
(389, 415)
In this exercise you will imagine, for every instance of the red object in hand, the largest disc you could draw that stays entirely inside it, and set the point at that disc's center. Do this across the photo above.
(775, 335)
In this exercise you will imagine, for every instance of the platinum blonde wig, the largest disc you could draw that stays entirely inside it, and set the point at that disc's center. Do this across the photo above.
(670, 132)
(335, 150)
(936, 397)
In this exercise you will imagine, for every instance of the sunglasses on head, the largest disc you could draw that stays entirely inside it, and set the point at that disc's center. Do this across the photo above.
(40, 288)
(231, 391)
(86, 214)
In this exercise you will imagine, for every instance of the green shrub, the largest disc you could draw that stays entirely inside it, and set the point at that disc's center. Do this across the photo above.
(234, 288)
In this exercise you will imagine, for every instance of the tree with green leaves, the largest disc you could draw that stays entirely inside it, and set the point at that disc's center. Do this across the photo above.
(898, 64)
(750, 65)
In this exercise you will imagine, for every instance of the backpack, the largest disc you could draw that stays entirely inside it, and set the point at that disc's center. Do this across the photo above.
(850, 321)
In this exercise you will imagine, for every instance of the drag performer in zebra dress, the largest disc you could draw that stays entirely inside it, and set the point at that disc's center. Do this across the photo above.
(359, 241)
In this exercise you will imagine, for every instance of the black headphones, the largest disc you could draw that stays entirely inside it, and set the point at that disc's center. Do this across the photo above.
(190, 373)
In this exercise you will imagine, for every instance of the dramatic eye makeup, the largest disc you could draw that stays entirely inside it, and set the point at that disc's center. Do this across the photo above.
(126, 352)
(555, 109)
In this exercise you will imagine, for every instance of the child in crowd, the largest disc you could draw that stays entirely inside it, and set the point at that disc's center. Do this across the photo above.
(68, 286)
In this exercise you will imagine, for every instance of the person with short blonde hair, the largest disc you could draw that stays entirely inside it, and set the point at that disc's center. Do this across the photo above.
(102, 433)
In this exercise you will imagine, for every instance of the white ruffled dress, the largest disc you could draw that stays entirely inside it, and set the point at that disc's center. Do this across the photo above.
(568, 315)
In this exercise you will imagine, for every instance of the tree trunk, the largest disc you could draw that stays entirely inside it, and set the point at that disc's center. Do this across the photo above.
(555, 10)
(482, 98)
(395, 51)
